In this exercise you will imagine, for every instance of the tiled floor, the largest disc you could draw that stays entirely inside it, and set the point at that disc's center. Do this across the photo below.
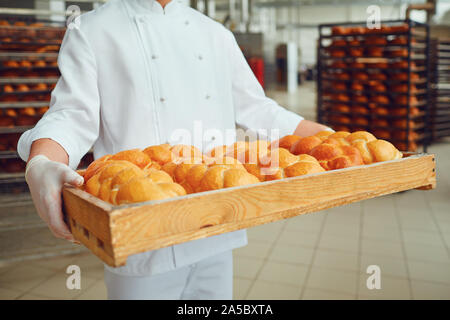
(323, 255)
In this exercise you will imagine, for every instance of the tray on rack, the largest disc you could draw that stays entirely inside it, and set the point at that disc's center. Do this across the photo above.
(115, 232)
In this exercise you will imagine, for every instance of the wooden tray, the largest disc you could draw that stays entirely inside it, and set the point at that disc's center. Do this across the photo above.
(115, 232)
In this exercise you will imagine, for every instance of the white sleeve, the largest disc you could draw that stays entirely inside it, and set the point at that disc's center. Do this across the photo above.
(253, 110)
(73, 117)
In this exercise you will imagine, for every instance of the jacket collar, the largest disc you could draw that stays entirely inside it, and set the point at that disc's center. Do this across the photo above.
(153, 6)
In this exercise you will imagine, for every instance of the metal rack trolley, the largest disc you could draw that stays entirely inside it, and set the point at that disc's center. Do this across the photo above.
(416, 61)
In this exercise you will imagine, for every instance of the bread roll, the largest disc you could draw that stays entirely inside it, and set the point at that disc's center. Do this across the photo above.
(356, 52)
(356, 86)
(341, 76)
(338, 53)
(361, 76)
(331, 156)
(286, 142)
(338, 65)
(379, 76)
(143, 189)
(121, 182)
(359, 109)
(135, 156)
(161, 154)
(305, 145)
(339, 86)
(280, 163)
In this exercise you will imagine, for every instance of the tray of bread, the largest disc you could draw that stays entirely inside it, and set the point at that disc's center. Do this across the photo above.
(139, 200)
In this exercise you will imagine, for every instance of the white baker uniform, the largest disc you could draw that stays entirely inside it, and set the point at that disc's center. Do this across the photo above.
(131, 75)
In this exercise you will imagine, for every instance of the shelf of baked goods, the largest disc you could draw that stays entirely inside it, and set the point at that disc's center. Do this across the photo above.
(348, 57)
(140, 200)
(400, 102)
(364, 34)
(36, 80)
(22, 29)
(363, 78)
(22, 64)
(12, 168)
(24, 104)
(374, 42)
(378, 88)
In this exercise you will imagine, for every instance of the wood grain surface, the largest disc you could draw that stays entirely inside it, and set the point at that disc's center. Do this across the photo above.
(131, 229)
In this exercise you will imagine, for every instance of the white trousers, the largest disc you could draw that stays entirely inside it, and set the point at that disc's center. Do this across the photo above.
(208, 279)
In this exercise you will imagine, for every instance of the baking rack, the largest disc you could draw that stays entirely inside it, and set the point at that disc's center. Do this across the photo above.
(440, 114)
(376, 80)
(28, 73)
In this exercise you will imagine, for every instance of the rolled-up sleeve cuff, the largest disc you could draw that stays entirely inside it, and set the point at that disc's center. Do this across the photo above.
(25, 141)
(287, 121)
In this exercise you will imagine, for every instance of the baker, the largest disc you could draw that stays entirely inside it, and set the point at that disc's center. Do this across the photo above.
(132, 73)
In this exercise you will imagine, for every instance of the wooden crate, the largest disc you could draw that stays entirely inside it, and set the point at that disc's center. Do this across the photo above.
(115, 232)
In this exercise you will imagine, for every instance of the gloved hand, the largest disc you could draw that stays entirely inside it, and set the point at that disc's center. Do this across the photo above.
(45, 179)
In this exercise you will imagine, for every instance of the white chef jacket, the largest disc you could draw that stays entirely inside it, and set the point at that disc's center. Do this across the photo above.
(133, 73)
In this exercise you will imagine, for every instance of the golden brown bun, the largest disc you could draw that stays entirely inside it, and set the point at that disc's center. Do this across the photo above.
(280, 163)
(339, 86)
(343, 149)
(135, 156)
(375, 52)
(361, 76)
(323, 135)
(202, 177)
(341, 97)
(161, 154)
(254, 150)
(221, 176)
(121, 181)
(305, 145)
(414, 111)
(331, 156)
(286, 142)
(341, 108)
(359, 109)
(360, 98)
(356, 52)
(342, 76)
(379, 76)
(338, 64)
(356, 86)
(144, 189)
(405, 100)
(380, 99)
(402, 135)
(399, 53)
(95, 166)
(185, 151)
(380, 122)
(338, 53)
(354, 43)
(403, 123)
(402, 146)
(6, 121)
(339, 42)
(337, 30)
(375, 40)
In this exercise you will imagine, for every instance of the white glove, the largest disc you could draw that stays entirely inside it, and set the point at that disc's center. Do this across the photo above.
(45, 179)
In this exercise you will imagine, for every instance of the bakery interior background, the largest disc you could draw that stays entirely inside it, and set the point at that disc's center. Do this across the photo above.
(298, 51)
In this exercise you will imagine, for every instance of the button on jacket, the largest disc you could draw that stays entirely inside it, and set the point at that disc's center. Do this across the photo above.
(132, 75)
